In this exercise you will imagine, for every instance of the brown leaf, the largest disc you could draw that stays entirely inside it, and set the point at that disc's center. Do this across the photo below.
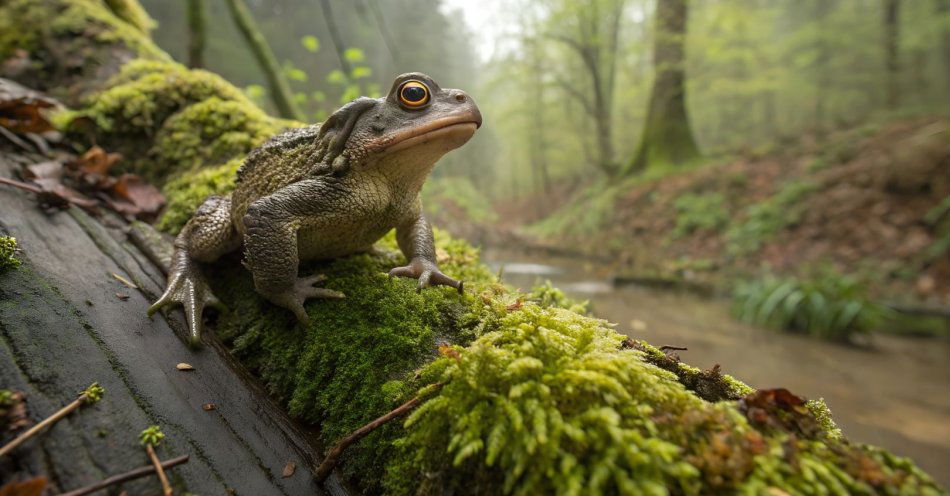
(29, 487)
(122, 296)
(21, 109)
(209, 407)
(184, 367)
(449, 352)
(96, 161)
(289, 469)
(515, 306)
(136, 197)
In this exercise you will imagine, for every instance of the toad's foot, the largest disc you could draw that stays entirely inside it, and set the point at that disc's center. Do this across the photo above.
(294, 297)
(427, 273)
(189, 289)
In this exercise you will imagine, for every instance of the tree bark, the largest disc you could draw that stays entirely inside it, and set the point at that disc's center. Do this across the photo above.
(279, 87)
(667, 137)
(197, 29)
(891, 53)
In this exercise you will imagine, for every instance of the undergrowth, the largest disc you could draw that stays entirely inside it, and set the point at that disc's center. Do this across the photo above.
(761, 221)
(826, 304)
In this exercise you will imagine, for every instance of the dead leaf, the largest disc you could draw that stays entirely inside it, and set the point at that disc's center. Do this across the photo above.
(122, 296)
(289, 469)
(136, 197)
(129, 284)
(184, 367)
(22, 110)
(449, 352)
(29, 487)
(515, 306)
(96, 161)
(209, 407)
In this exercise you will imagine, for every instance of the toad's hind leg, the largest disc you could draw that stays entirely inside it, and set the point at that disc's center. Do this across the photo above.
(208, 235)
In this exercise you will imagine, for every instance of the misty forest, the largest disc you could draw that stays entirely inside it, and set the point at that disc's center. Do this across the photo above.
(433, 247)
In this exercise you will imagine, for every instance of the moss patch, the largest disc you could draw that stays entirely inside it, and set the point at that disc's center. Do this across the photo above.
(68, 41)
(8, 251)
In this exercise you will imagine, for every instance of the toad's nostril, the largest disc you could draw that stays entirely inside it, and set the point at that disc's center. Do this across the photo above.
(460, 98)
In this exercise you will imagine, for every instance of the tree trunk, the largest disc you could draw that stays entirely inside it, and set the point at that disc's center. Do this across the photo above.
(279, 87)
(336, 39)
(197, 29)
(891, 62)
(667, 138)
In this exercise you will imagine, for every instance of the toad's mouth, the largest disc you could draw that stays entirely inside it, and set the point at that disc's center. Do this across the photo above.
(458, 126)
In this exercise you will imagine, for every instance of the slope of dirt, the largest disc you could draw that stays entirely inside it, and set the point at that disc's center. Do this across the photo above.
(866, 202)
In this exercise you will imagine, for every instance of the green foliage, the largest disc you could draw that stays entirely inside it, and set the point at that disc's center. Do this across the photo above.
(311, 43)
(827, 305)
(8, 251)
(151, 435)
(705, 211)
(585, 214)
(761, 221)
(93, 393)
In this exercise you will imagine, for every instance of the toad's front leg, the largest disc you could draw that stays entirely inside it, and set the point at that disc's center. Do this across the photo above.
(270, 241)
(415, 239)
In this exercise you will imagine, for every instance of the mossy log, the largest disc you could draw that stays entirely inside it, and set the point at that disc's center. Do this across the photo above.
(538, 397)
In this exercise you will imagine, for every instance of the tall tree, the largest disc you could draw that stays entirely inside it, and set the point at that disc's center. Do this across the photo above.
(279, 87)
(591, 31)
(667, 137)
(197, 33)
(891, 40)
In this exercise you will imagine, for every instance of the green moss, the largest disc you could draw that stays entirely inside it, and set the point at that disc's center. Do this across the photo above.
(64, 21)
(8, 251)
(357, 357)
(132, 12)
(188, 190)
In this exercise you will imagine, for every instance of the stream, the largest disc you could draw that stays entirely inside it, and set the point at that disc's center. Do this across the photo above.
(894, 393)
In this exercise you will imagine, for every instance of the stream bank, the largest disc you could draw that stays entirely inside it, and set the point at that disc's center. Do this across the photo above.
(892, 393)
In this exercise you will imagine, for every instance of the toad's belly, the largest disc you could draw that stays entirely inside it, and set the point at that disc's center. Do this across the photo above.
(336, 238)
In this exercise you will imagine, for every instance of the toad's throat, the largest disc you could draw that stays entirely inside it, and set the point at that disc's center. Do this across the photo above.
(460, 126)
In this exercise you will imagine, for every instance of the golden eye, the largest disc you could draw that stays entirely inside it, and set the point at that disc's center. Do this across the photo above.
(413, 94)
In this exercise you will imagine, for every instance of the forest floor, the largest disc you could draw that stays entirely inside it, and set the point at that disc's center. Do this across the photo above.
(871, 202)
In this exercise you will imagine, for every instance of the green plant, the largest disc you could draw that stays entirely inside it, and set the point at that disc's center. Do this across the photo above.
(700, 212)
(767, 218)
(827, 305)
(8, 251)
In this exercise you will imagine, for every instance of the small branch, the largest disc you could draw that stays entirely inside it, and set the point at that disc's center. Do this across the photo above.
(329, 463)
(673, 348)
(157, 464)
(150, 438)
(91, 394)
(118, 479)
(19, 184)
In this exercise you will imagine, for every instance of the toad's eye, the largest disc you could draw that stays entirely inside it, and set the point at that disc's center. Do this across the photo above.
(413, 94)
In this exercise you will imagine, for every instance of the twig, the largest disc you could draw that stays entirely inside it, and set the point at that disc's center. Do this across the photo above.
(22, 185)
(166, 487)
(674, 348)
(151, 437)
(131, 475)
(90, 395)
(329, 463)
